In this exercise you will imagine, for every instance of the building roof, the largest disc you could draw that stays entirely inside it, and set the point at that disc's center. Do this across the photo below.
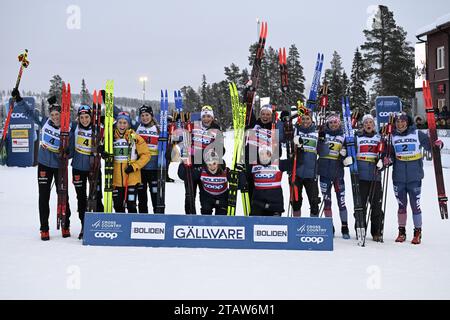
(441, 22)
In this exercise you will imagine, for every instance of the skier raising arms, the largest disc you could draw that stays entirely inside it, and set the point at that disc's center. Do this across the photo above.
(331, 171)
(81, 148)
(407, 173)
(213, 184)
(149, 131)
(308, 145)
(259, 135)
(367, 142)
(48, 165)
(131, 154)
(206, 136)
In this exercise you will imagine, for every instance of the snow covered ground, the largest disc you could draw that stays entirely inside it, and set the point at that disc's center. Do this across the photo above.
(65, 269)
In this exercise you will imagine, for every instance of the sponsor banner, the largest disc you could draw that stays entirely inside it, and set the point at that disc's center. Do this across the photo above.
(23, 150)
(277, 233)
(148, 230)
(270, 233)
(20, 143)
(384, 107)
(19, 126)
(17, 134)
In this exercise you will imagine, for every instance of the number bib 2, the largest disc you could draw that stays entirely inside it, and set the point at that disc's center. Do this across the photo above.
(407, 148)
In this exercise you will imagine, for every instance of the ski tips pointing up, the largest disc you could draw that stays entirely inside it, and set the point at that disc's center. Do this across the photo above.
(263, 30)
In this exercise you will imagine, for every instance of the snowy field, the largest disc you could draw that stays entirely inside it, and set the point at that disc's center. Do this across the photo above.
(65, 269)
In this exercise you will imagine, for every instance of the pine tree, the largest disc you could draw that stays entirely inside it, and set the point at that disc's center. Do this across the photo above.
(204, 94)
(191, 99)
(85, 97)
(336, 85)
(358, 95)
(401, 67)
(56, 84)
(233, 74)
(296, 76)
(390, 56)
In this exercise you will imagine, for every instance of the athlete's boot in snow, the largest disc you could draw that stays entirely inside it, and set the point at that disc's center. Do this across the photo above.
(401, 234)
(417, 239)
(45, 235)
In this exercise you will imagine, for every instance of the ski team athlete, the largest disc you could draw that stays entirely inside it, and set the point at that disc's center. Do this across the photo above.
(331, 171)
(267, 199)
(148, 129)
(131, 154)
(205, 136)
(48, 166)
(259, 135)
(213, 179)
(407, 173)
(367, 143)
(82, 156)
(308, 146)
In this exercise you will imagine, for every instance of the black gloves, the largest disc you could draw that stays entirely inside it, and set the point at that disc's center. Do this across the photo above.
(16, 95)
(321, 135)
(129, 169)
(284, 115)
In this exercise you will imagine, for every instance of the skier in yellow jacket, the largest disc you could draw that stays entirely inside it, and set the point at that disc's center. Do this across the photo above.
(131, 154)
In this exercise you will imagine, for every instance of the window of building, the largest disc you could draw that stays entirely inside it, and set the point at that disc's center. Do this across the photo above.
(440, 58)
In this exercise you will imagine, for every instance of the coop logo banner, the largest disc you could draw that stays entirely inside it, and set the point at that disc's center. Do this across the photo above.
(384, 107)
(148, 230)
(208, 233)
(270, 233)
(312, 234)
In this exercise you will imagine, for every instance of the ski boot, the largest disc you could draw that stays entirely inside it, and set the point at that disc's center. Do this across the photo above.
(168, 179)
(345, 232)
(417, 239)
(377, 238)
(45, 235)
(401, 235)
(80, 236)
(65, 232)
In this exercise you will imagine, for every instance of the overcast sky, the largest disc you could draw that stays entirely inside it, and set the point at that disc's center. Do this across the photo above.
(174, 42)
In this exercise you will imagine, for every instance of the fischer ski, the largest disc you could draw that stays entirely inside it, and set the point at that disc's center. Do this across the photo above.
(96, 158)
(62, 190)
(351, 151)
(237, 166)
(109, 151)
(437, 163)
(255, 75)
(312, 100)
(162, 148)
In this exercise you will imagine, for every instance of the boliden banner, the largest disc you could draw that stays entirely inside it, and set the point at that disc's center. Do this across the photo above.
(149, 230)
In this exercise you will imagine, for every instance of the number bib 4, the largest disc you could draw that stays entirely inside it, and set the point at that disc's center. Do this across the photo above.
(122, 151)
(83, 141)
(407, 148)
(50, 138)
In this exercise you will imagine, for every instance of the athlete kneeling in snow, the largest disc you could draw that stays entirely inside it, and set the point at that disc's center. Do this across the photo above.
(81, 147)
(407, 173)
(267, 199)
(131, 154)
(213, 179)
